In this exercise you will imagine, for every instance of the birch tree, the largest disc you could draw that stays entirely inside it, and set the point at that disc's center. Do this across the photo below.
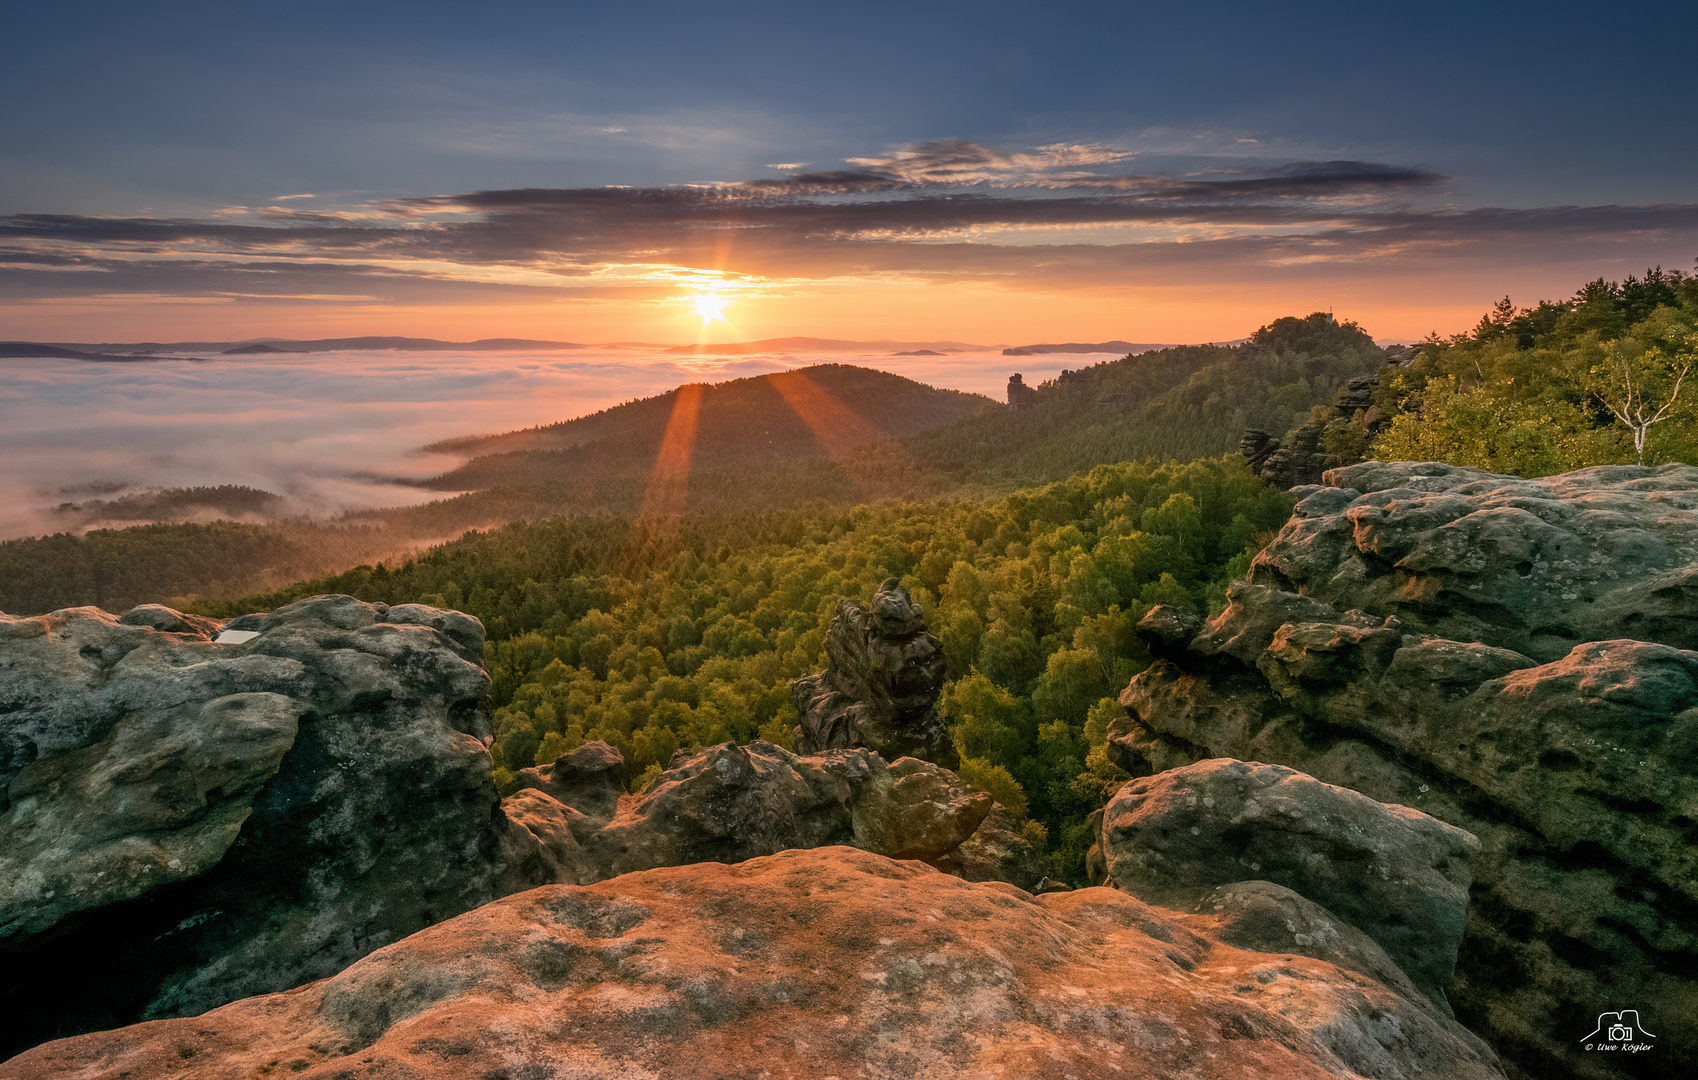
(1643, 388)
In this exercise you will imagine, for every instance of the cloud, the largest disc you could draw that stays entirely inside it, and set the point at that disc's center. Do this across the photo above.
(941, 210)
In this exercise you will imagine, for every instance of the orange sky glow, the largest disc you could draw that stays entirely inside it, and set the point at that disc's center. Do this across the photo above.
(1402, 307)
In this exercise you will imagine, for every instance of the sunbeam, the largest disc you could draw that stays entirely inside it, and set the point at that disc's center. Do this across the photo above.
(669, 483)
(838, 427)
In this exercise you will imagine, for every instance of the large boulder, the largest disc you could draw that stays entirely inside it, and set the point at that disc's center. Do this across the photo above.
(881, 684)
(808, 964)
(1515, 658)
(188, 822)
(1393, 873)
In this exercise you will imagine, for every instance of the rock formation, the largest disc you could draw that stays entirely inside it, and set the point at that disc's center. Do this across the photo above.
(1395, 874)
(1515, 658)
(881, 684)
(1300, 458)
(1020, 396)
(187, 823)
(829, 962)
(729, 803)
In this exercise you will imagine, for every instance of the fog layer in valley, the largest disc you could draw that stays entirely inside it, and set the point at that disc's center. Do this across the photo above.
(339, 431)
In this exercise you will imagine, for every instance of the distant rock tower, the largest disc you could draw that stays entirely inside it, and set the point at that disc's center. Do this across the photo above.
(1020, 396)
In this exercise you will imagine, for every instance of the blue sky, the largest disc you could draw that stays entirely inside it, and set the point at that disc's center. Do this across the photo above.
(209, 113)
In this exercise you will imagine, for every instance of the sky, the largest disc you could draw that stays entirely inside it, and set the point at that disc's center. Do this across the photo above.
(990, 172)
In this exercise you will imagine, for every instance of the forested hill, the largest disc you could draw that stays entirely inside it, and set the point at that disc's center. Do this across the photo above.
(811, 436)
(1179, 403)
(809, 412)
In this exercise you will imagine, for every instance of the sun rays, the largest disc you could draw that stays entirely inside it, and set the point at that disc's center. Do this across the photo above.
(669, 482)
(839, 429)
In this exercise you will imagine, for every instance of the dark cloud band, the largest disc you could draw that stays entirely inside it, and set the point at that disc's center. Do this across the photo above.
(946, 211)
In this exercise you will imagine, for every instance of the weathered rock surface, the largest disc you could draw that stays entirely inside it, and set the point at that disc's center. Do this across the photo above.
(187, 823)
(808, 964)
(1393, 873)
(729, 803)
(1536, 566)
(881, 684)
(1515, 658)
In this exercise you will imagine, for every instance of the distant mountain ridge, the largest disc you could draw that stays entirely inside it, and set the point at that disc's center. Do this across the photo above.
(1124, 348)
(106, 350)
(794, 344)
(273, 345)
(33, 350)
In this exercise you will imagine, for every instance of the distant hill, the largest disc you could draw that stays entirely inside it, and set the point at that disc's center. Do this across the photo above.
(286, 345)
(21, 349)
(826, 410)
(811, 344)
(1122, 347)
(225, 502)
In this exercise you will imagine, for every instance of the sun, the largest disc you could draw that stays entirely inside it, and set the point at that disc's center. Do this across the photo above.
(710, 306)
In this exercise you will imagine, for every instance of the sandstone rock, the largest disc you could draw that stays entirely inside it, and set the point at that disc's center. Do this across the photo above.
(881, 685)
(1396, 874)
(160, 799)
(1297, 462)
(997, 851)
(589, 779)
(1264, 917)
(806, 964)
(1166, 629)
(1536, 566)
(1515, 658)
(729, 803)
(1020, 396)
(191, 823)
(170, 621)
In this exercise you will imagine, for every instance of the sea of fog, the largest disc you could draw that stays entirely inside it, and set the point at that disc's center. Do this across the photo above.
(336, 431)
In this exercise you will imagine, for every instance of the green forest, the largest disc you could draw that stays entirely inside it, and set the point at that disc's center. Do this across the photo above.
(657, 635)
(1593, 380)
